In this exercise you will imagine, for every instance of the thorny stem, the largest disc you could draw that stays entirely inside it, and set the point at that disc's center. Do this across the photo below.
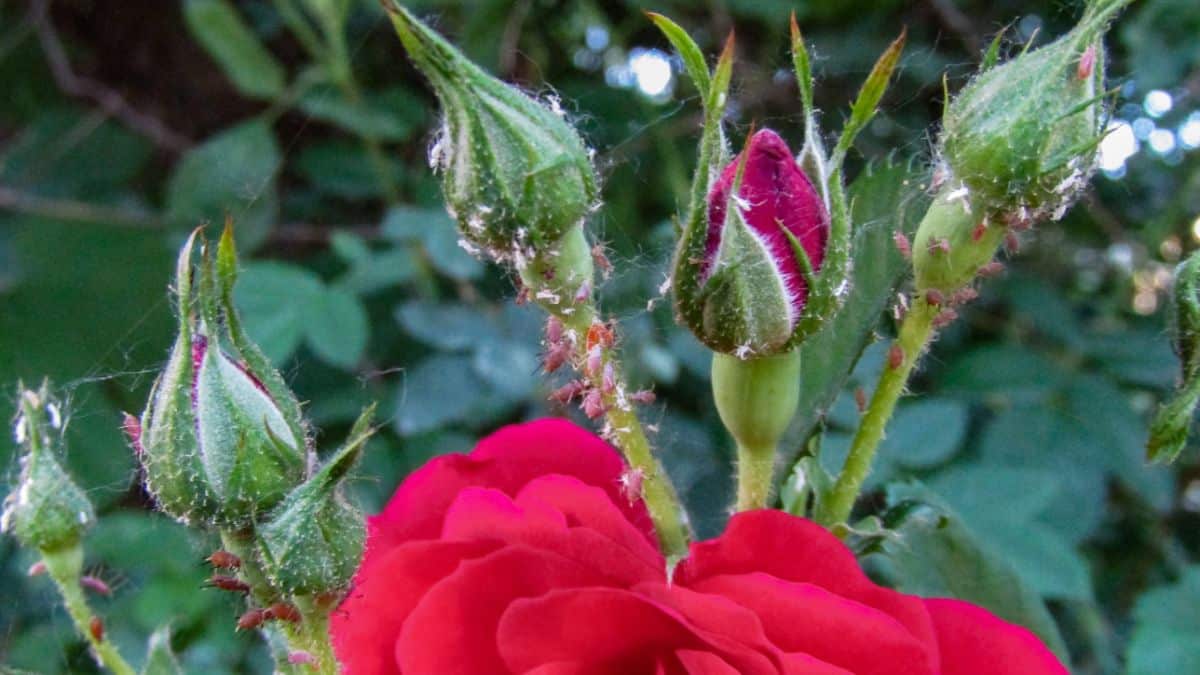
(624, 430)
(65, 567)
(915, 333)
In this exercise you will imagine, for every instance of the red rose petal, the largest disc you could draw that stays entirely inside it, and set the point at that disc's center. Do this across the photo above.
(973, 641)
(453, 627)
(367, 624)
(506, 460)
(800, 617)
(795, 549)
(703, 663)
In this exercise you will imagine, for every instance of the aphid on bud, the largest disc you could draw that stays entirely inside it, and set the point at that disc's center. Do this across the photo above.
(595, 359)
(944, 318)
(609, 381)
(554, 330)
(940, 174)
(601, 260)
(895, 357)
(224, 560)
(902, 244)
(934, 297)
(252, 619)
(132, 427)
(584, 292)
(964, 295)
(566, 393)
(979, 231)
(299, 658)
(1012, 243)
(282, 611)
(644, 396)
(992, 269)
(522, 295)
(36, 569)
(96, 628)
(1019, 220)
(1087, 63)
(593, 404)
(940, 245)
(228, 583)
(599, 334)
(860, 399)
(631, 484)
(556, 355)
(95, 584)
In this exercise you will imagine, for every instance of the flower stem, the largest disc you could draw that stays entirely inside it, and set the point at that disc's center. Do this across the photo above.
(65, 567)
(624, 430)
(755, 470)
(915, 333)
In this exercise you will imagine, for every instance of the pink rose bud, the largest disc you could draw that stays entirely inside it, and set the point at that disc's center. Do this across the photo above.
(767, 232)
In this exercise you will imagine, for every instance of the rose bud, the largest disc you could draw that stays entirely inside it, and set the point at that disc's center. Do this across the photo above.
(1018, 145)
(1169, 430)
(313, 541)
(766, 239)
(516, 175)
(46, 510)
(222, 438)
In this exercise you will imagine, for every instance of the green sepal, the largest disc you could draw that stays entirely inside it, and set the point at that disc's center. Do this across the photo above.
(867, 102)
(689, 52)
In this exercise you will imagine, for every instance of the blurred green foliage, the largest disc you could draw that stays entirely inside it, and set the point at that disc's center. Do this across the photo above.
(1024, 445)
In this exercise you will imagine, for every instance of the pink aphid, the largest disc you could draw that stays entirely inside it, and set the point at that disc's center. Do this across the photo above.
(1087, 63)
(555, 357)
(902, 244)
(567, 393)
(609, 381)
(644, 396)
(631, 484)
(554, 330)
(593, 404)
(132, 427)
(95, 584)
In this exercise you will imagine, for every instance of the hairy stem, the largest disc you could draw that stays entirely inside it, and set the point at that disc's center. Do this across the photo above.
(65, 567)
(915, 333)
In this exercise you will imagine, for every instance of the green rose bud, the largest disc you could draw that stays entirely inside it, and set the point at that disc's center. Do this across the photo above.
(1169, 430)
(314, 540)
(221, 439)
(515, 174)
(46, 510)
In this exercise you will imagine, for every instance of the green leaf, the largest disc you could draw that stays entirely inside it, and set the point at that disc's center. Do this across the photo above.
(411, 223)
(448, 257)
(689, 52)
(1166, 637)
(510, 368)
(449, 327)
(1006, 372)
(337, 328)
(341, 168)
(371, 271)
(389, 115)
(925, 433)
(440, 390)
(936, 554)
(885, 199)
(219, 28)
(160, 660)
(272, 299)
(232, 173)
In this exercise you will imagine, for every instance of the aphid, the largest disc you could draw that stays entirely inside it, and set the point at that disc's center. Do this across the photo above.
(601, 260)
(96, 628)
(554, 330)
(252, 619)
(593, 404)
(609, 381)
(902, 244)
(992, 269)
(584, 292)
(941, 245)
(228, 583)
(631, 484)
(979, 231)
(283, 611)
(556, 355)
(643, 396)
(599, 334)
(860, 399)
(132, 427)
(299, 658)
(224, 560)
(36, 569)
(964, 295)
(566, 393)
(895, 357)
(95, 584)
(944, 318)
(1012, 243)
(934, 297)
(1087, 63)
(595, 360)
(522, 294)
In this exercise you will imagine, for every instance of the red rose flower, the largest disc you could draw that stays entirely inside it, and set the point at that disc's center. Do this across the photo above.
(524, 557)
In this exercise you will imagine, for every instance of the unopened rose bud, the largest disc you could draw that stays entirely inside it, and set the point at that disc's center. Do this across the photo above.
(46, 510)
(515, 174)
(221, 438)
(313, 541)
(1169, 430)
(1023, 134)
(767, 233)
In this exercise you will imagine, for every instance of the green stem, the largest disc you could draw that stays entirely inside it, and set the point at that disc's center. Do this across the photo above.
(281, 641)
(755, 471)
(915, 333)
(65, 567)
(312, 633)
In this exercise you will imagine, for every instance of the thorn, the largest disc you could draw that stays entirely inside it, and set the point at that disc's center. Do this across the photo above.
(227, 583)
(224, 560)
(95, 584)
(96, 628)
(895, 357)
(860, 399)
